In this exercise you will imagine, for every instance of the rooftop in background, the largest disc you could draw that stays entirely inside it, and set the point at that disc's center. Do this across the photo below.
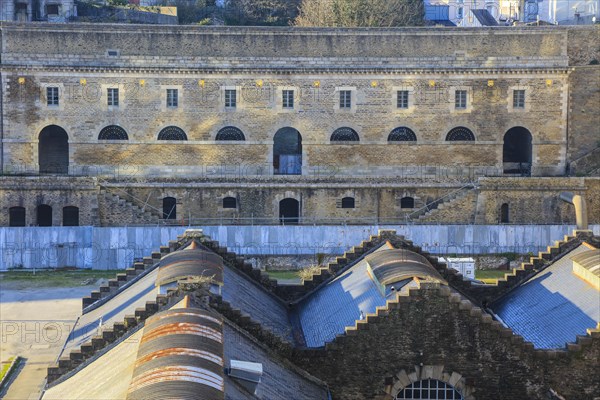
(484, 17)
(552, 307)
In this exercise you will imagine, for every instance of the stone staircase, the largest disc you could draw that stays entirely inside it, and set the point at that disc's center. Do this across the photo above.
(460, 209)
(435, 209)
(118, 212)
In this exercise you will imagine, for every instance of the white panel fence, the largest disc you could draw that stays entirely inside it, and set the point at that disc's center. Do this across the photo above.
(112, 248)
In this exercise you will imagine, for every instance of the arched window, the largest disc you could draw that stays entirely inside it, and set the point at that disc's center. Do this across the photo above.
(16, 216)
(230, 133)
(344, 134)
(70, 216)
(348, 202)
(460, 133)
(53, 150)
(169, 208)
(44, 215)
(429, 389)
(172, 133)
(113, 132)
(402, 134)
(229, 202)
(504, 213)
(407, 202)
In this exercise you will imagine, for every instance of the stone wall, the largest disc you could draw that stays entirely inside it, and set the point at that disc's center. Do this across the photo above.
(433, 334)
(584, 118)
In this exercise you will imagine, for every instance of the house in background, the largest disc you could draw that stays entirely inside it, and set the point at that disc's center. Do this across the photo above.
(37, 10)
(465, 13)
(558, 12)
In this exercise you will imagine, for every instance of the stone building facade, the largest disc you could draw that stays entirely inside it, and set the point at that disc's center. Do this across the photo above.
(307, 125)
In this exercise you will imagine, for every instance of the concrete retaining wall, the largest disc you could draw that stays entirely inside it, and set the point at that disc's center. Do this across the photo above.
(110, 248)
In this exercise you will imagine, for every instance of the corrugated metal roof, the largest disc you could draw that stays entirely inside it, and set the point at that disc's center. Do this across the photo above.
(553, 307)
(389, 266)
(589, 260)
(190, 262)
(180, 356)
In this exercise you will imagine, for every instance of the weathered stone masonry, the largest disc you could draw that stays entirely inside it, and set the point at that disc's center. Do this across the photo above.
(552, 66)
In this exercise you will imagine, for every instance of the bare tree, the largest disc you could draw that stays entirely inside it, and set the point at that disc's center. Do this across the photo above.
(361, 13)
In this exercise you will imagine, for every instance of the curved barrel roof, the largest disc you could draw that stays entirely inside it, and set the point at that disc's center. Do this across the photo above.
(180, 356)
(394, 265)
(190, 262)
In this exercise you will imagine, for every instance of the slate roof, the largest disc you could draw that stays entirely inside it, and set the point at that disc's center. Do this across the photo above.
(328, 311)
(552, 307)
(484, 17)
(245, 295)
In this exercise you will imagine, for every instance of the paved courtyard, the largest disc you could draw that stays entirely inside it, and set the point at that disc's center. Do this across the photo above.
(34, 324)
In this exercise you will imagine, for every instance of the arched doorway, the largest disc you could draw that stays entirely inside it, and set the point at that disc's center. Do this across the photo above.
(53, 150)
(289, 212)
(169, 208)
(287, 152)
(44, 215)
(516, 152)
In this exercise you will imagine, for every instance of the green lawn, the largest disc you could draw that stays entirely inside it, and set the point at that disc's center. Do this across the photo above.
(51, 278)
(283, 274)
(490, 275)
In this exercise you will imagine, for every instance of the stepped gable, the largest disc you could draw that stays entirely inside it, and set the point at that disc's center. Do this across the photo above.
(358, 292)
(152, 326)
(555, 305)
(457, 333)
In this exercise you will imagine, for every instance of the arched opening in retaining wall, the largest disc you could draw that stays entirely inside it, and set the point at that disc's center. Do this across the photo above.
(169, 208)
(289, 212)
(44, 215)
(516, 152)
(287, 152)
(407, 202)
(16, 216)
(70, 216)
(504, 214)
(348, 202)
(229, 202)
(53, 150)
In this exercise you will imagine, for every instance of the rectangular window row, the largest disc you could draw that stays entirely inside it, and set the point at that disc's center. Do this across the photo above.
(287, 100)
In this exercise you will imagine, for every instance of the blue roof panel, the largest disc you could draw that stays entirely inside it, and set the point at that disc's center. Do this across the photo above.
(338, 305)
(553, 307)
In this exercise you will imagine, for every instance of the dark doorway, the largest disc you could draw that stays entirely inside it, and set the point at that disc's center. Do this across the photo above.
(70, 216)
(229, 202)
(289, 212)
(287, 152)
(16, 216)
(516, 153)
(44, 215)
(169, 208)
(504, 218)
(407, 202)
(348, 202)
(53, 150)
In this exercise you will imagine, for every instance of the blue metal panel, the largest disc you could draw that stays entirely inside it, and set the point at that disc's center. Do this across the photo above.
(338, 305)
(553, 307)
